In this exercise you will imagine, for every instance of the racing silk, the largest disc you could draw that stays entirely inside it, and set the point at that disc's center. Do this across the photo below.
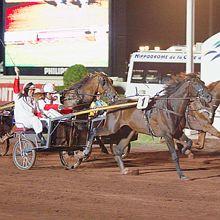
(24, 110)
(49, 108)
(96, 104)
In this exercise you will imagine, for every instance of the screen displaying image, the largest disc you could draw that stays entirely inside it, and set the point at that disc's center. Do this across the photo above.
(57, 33)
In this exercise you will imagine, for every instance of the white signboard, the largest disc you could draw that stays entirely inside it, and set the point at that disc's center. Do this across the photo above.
(163, 57)
(210, 66)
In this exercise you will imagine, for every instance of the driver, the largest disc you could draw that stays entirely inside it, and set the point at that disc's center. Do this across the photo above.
(49, 105)
(25, 107)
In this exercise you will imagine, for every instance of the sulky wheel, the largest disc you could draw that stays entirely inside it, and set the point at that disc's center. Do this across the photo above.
(24, 155)
(71, 159)
(126, 150)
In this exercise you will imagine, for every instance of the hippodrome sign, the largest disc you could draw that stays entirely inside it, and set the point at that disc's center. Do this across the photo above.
(165, 57)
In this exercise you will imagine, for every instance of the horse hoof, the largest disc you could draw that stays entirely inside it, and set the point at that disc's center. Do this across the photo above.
(184, 178)
(125, 171)
(197, 146)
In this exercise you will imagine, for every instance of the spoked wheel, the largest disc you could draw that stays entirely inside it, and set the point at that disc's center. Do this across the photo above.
(71, 159)
(24, 155)
(126, 150)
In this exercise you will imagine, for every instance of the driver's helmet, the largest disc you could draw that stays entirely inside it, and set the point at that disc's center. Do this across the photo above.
(49, 88)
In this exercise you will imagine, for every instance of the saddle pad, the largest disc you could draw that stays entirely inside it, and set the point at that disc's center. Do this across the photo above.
(143, 102)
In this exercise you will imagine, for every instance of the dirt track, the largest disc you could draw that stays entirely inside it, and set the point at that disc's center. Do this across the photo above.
(96, 190)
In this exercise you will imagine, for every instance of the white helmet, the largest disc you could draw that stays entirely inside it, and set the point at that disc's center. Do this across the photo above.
(49, 87)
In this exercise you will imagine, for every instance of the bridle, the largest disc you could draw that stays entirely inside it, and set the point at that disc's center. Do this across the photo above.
(79, 97)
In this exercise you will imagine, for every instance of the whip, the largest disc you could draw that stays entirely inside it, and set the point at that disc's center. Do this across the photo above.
(7, 52)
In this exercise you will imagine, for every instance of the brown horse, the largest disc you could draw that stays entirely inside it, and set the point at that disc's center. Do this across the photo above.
(83, 92)
(79, 96)
(161, 118)
(205, 116)
(200, 117)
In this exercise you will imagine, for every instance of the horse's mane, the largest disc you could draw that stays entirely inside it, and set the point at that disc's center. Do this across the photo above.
(81, 82)
(173, 85)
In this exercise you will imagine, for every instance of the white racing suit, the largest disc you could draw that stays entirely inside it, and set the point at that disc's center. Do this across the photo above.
(49, 108)
(24, 111)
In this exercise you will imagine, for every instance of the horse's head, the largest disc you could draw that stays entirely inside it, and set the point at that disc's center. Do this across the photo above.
(197, 88)
(84, 91)
(105, 86)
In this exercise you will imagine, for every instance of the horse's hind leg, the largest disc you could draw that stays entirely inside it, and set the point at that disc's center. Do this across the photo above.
(119, 150)
(102, 146)
(175, 158)
(7, 147)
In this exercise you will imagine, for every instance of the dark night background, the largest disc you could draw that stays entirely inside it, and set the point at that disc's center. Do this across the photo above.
(151, 22)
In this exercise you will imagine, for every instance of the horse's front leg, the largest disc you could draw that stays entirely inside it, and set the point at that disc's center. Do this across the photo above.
(118, 150)
(175, 158)
(186, 145)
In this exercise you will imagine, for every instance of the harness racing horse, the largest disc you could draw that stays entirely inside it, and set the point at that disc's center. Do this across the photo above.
(200, 117)
(78, 96)
(209, 113)
(6, 132)
(161, 118)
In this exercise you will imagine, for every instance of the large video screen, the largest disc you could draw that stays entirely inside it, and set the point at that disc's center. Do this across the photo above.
(57, 33)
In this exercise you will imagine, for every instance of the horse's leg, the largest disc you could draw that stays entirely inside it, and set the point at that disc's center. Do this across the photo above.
(102, 146)
(119, 150)
(187, 145)
(95, 132)
(211, 130)
(100, 131)
(7, 147)
(200, 143)
(175, 158)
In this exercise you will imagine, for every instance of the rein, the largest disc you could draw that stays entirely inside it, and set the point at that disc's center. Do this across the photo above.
(170, 111)
(80, 96)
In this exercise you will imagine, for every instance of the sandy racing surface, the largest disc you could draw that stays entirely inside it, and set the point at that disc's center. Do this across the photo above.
(96, 190)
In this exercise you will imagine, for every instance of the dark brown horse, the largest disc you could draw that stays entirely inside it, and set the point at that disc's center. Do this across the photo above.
(6, 132)
(199, 117)
(161, 118)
